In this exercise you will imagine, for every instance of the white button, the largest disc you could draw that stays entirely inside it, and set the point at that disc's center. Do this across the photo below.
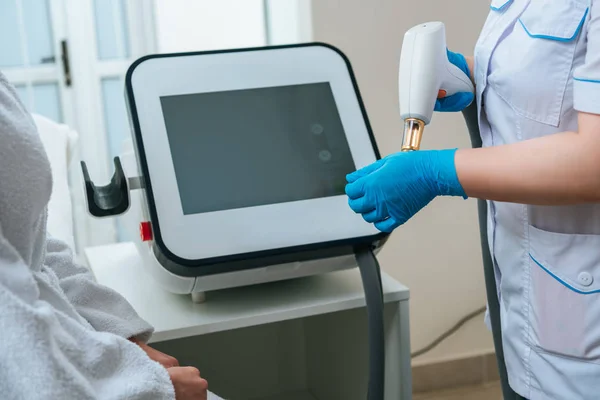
(585, 278)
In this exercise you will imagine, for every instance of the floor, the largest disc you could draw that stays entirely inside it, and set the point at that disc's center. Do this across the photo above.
(489, 391)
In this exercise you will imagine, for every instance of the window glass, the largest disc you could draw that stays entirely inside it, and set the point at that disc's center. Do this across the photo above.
(112, 32)
(43, 99)
(25, 29)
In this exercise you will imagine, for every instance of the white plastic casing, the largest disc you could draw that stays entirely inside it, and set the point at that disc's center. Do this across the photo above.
(246, 230)
(425, 70)
(138, 212)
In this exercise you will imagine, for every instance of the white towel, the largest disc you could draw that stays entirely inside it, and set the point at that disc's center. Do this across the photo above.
(62, 335)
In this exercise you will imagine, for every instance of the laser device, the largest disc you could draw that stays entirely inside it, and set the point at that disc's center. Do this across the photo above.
(424, 74)
(240, 158)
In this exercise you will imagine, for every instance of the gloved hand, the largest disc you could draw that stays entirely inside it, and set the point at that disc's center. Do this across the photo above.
(457, 101)
(390, 191)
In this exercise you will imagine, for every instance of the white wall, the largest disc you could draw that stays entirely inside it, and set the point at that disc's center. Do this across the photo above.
(436, 254)
(192, 25)
(189, 25)
(289, 21)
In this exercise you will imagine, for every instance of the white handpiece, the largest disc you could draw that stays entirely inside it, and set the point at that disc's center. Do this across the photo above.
(425, 70)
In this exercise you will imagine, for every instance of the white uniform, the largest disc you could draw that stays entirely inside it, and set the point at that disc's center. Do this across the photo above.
(537, 64)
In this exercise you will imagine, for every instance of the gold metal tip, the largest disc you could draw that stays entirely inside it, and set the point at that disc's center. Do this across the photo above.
(413, 133)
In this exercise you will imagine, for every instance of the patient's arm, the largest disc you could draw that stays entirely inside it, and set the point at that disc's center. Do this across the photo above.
(105, 309)
(163, 359)
(48, 355)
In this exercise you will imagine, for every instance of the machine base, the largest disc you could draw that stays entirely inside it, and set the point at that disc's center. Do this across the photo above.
(198, 297)
(191, 285)
(199, 286)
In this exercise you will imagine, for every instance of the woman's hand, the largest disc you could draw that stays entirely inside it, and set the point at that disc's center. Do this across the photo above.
(163, 359)
(458, 101)
(188, 383)
(390, 191)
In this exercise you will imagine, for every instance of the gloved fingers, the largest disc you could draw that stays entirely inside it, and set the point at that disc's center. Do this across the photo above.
(454, 103)
(356, 189)
(387, 225)
(439, 106)
(459, 60)
(354, 176)
(361, 205)
(377, 215)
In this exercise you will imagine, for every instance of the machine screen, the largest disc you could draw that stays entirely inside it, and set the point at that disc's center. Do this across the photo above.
(254, 147)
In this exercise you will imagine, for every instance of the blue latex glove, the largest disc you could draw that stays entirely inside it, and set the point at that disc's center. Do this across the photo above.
(390, 191)
(457, 101)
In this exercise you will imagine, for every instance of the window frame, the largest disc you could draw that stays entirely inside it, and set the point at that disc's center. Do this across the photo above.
(81, 102)
(88, 72)
(52, 73)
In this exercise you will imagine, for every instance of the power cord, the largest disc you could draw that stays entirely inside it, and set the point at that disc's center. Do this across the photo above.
(371, 279)
(449, 332)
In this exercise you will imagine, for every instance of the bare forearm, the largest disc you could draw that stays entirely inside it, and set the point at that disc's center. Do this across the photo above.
(552, 170)
(471, 64)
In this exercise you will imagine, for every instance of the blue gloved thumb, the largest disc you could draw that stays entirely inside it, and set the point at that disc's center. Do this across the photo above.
(460, 61)
(454, 103)
(458, 101)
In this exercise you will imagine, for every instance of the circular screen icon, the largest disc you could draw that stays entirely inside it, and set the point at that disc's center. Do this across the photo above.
(324, 155)
(317, 129)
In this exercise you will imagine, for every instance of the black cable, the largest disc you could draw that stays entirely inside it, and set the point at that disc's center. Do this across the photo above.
(371, 279)
(449, 332)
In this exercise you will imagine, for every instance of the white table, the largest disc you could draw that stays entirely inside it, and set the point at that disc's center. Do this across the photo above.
(299, 339)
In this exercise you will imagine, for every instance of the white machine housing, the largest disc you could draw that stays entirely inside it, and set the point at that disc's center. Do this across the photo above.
(195, 285)
(199, 252)
(425, 70)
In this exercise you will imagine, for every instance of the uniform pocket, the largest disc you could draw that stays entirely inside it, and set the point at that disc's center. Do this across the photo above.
(534, 62)
(557, 20)
(564, 303)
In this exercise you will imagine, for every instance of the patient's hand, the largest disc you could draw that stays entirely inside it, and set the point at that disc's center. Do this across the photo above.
(165, 360)
(188, 383)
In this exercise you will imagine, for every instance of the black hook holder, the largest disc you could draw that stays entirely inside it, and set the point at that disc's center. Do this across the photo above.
(110, 200)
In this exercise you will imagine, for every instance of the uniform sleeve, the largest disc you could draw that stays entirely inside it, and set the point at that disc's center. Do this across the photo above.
(105, 309)
(586, 87)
